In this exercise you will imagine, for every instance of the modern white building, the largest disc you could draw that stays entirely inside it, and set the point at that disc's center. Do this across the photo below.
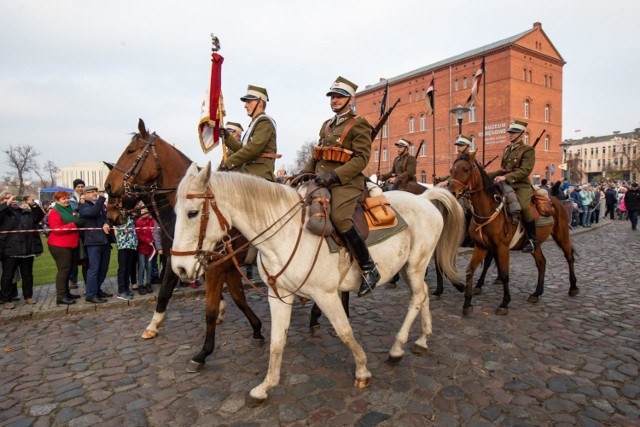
(92, 173)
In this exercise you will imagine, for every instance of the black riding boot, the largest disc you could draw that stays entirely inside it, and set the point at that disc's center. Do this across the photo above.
(359, 250)
(531, 242)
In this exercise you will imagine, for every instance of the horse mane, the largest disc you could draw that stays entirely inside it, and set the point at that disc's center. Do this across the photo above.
(261, 200)
(136, 135)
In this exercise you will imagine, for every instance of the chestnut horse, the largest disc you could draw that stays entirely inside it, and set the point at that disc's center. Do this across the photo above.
(150, 169)
(492, 231)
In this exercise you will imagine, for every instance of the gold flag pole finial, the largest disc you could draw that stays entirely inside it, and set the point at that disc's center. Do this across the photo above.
(215, 43)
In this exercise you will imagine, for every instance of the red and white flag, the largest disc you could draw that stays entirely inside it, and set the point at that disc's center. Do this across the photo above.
(212, 108)
(477, 78)
(430, 98)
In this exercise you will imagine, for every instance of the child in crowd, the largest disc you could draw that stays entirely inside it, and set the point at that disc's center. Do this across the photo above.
(127, 243)
(144, 229)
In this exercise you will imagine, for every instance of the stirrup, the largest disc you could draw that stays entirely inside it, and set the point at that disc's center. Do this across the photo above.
(370, 279)
(529, 246)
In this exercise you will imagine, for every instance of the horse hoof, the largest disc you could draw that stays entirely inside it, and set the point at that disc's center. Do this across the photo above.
(391, 285)
(419, 350)
(362, 382)
(194, 367)
(459, 288)
(257, 342)
(502, 311)
(574, 292)
(147, 334)
(333, 333)
(394, 360)
(218, 321)
(467, 311)
(533, 299)
(313, 330)
(477, 291)
(252, 402)
(435, 296)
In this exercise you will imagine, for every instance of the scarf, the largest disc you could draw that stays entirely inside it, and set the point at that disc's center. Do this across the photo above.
(67, 213)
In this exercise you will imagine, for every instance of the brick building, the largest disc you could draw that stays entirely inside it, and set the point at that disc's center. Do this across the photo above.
(522, 81)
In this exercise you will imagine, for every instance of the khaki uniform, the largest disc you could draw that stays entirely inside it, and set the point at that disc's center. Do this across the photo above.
(259, 139)
(518, 176)
(404, 168)
(344, 196)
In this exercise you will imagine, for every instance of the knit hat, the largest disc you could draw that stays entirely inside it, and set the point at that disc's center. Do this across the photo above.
(77, 181)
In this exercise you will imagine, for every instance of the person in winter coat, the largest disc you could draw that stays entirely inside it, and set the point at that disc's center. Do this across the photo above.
(144, 229)
(632, 200)
(611, 198)
(20, 249)
(127, 242)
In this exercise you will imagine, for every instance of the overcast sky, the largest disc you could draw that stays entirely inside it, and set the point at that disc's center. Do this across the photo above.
(75, 76)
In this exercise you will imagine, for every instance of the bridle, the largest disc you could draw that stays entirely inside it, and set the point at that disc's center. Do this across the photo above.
(211, 258)
(151, 190)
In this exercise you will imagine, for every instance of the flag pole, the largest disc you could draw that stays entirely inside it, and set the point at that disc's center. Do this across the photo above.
(433, 143)
(484, 108)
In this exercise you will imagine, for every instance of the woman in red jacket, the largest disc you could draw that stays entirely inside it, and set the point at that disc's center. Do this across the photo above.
(63, 240)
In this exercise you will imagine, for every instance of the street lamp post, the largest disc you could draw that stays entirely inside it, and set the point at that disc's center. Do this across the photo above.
(459, 113)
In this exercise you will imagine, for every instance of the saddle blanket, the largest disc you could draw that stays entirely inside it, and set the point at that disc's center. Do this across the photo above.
(543, 221)
(375, 236)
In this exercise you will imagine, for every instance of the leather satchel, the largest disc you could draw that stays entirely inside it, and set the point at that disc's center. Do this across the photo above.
(378, 212)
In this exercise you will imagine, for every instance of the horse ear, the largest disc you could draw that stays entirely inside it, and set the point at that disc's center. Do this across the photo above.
(472, 155)
(142, 129)
(202, 175)
(109, 165)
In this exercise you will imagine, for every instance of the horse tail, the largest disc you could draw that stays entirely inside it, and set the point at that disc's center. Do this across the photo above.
(452, 231)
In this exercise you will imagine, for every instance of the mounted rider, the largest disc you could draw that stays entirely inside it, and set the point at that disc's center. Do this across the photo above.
(404, 167)
(338, 160)
(463, 146)
(517, 164)
(256, 153)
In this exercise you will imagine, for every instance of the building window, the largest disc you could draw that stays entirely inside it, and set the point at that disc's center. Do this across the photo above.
(424, 93)
(530, 76)
(412, 150)
(604, 150)
(592, 151)
(596, 151)
(546, 78)
(412, 124)
(546, 143)
(423, 122)
(550, 81)
(376, 155)
(417, 97)
(455, 85)
(598, 162)
(464, 82)
(472, 113)
(384, 153)
(526, 138)
(423, 151)
(423, 177)
(410, 95)
(384, 131)
(473, 143)
(547, 113)
(526, 109)
(524, 74)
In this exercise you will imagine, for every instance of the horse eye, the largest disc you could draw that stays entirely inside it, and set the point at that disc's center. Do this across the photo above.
(192, 214)
(130, 151)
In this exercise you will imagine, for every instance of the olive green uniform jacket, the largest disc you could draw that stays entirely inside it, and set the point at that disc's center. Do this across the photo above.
(259, 138)
(344, 196)
(404, 167)
(518, 176)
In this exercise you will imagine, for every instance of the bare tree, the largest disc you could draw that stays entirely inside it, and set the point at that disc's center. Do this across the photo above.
(52, 170)
(303, 155)
(23, 159)
(574, 167)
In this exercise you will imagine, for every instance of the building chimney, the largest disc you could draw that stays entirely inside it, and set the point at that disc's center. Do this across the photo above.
(537, 25)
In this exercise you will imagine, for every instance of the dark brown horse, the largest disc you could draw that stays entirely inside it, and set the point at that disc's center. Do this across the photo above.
(492, 231)
(150, 169)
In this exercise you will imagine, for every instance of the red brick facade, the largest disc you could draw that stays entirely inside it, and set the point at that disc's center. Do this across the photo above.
(523, 72)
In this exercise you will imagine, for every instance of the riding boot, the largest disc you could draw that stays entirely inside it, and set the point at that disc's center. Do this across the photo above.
(358, 248)
(531, 242)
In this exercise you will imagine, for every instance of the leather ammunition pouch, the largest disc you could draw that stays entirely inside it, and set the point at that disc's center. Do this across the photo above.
(332, 154)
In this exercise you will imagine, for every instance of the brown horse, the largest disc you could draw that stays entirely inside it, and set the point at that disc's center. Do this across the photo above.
(492, 231)
(151, 169)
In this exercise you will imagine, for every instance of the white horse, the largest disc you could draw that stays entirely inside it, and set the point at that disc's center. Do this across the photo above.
(253, 205)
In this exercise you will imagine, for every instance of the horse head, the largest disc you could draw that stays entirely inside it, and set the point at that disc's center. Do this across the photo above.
(462, 174)
(196, 227)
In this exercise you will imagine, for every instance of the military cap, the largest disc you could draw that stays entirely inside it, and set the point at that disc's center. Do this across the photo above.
(233, 126)
(342, 87)
(403, 143)
(517, 126)
(255, 92)
(463, 140)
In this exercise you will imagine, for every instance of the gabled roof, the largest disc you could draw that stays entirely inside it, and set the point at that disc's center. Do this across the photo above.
(458, 58)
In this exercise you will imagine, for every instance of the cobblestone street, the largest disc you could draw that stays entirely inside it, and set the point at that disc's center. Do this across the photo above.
(565, 361)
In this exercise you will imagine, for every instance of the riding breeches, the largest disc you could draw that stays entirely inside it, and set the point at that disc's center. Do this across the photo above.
(344, 199)
(524, 198)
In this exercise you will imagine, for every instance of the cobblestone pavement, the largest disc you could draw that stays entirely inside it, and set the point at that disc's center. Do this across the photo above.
(563, 362)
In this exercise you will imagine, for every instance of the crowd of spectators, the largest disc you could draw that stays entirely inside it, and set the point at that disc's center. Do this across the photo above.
(79, 237)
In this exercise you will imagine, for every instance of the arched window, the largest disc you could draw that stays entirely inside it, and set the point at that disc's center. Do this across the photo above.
(384, 153)
(524, 74)
(547, 143)
(530, 76)
(410, 95)
(472, 113)
(526, 138)
(455, 85)
(423, 122)
(526, 109)
(423, 177)
(550, 81)
(546, 80)
(412, 150)
(376, 155)
(423, 150)
(547, 113)
(464, 82)
(384, 131)
(412, 124)
(473, 143)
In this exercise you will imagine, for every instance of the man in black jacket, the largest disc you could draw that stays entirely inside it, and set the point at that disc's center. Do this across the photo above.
(632, 200)
(96, 243)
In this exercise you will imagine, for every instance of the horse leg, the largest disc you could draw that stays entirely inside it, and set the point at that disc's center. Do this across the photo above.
(502, 261)
(439, 281)
(330, 306)
(316, 313)
(569, 256)
(169, 281)
(477, 290)
(419, 304)
(234, 284)
(280, 320)
(214, 281)
(541, 264)
(478, 255)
